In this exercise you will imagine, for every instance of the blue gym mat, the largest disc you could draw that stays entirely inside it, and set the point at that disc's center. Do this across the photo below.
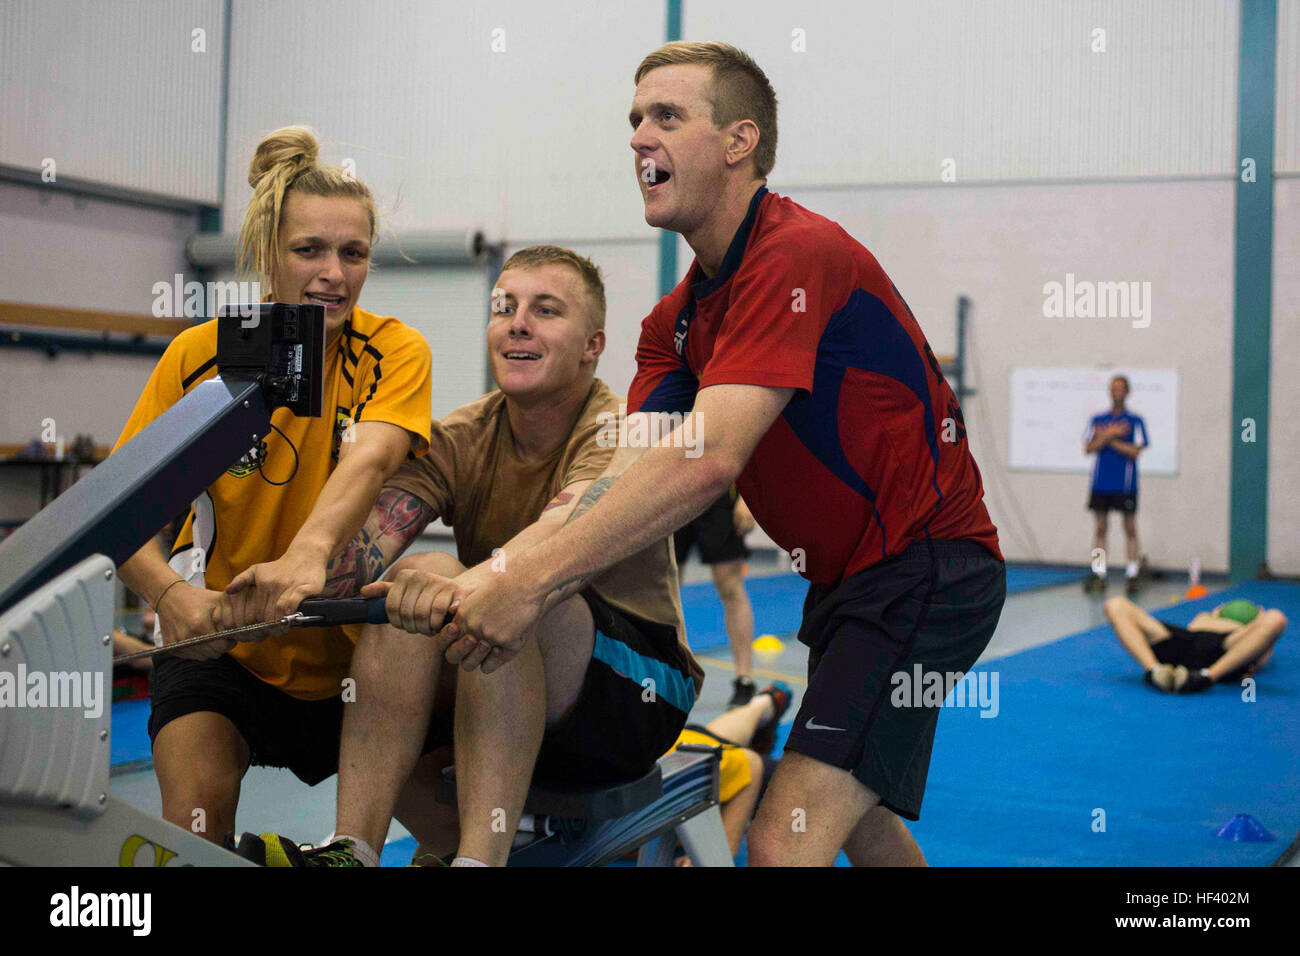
(398, 852)
(778, 601)
(129, 747)
(1077, 732)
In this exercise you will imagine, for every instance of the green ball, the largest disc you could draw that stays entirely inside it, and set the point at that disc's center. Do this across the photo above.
(1243, 612)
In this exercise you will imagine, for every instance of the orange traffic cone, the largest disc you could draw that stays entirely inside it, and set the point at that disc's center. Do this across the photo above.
(1197, 589)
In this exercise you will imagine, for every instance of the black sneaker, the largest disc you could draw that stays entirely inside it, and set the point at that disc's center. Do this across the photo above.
(742, 692)
(1094, 584)
(1191, 682)
(1132, 586)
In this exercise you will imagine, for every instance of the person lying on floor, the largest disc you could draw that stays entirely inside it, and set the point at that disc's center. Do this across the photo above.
(746, 735)
(1225, 645)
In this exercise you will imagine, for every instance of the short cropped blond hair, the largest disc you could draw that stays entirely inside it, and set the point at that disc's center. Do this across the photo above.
(740, 90)
(588, 272)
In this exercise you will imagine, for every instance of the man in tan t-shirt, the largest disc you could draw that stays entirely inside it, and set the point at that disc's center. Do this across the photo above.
(604, 689)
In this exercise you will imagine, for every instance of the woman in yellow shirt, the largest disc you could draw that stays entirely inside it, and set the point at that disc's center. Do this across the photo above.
(259, 539)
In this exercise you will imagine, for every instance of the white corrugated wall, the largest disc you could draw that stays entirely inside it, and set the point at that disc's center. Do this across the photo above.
(511, 117)
(1284, 385)
(114, 93)
(885, 92)
(1287, 134)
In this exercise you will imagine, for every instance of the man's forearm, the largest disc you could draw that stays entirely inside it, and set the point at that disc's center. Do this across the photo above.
(595, 491)
(396, 519)
(526, 540)
(342, 508)
(1128, 449)
(652, 499)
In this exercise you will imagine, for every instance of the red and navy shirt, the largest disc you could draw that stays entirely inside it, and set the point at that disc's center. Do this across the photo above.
(870, 454)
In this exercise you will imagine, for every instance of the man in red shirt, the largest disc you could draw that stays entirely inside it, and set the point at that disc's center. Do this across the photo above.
(804, 379)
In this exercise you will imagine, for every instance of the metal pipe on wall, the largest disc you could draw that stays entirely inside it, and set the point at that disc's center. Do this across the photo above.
(441, 248)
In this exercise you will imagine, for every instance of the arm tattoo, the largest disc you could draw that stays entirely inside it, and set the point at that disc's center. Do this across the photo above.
(559, 501)
(588, 500)
(394, 522)
(589, 497)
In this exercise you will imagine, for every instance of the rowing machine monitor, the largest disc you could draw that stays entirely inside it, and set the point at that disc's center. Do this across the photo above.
(281, 345)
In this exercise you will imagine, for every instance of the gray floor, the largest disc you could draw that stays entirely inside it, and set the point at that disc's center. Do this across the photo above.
(275, 800)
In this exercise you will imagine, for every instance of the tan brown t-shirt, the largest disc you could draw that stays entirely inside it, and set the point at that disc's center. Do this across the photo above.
(474, 480)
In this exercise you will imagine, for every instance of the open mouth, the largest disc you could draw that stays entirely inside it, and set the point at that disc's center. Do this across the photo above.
(515, 356)
(330, 302)
(661, 176)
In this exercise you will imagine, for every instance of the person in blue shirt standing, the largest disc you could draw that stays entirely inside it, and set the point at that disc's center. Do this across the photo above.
(1117, 438)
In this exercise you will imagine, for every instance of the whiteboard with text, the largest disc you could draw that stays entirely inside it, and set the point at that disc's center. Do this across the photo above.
(1051, 408)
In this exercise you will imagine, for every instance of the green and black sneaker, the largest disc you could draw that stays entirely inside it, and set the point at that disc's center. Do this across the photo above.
(427, 859)
(271, 849)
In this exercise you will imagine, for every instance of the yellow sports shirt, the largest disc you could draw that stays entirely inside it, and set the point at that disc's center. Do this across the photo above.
(376, 369)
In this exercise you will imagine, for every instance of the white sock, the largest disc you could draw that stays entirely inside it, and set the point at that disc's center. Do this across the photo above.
(467, 861)
(362, 850)
(1131, 569)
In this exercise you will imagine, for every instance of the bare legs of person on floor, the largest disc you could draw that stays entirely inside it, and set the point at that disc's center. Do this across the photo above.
(1246, 645)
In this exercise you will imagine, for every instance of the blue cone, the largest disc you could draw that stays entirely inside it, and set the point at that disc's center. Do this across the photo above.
(1246, 829)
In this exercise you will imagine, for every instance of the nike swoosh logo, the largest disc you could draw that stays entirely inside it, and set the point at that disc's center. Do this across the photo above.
(812, 725)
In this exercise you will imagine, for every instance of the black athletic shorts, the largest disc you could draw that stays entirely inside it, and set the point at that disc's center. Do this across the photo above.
(1112, 501)
(1194, 650)
(280, 730)
(931, 609)
(633, 704)
(714, 532)
(634, 700)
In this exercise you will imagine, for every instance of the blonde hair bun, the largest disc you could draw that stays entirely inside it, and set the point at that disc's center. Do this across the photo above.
(288, 149)
(286, 160)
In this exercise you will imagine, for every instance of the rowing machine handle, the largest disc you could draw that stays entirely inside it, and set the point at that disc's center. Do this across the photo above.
(337, 611)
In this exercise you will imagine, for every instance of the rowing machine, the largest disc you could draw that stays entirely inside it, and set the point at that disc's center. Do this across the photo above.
(57, 592)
